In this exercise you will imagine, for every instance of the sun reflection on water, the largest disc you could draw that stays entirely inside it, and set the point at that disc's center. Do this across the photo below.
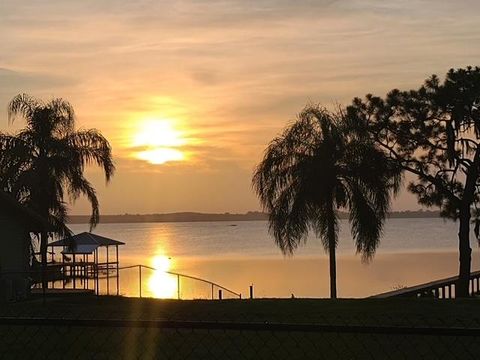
(161, 284)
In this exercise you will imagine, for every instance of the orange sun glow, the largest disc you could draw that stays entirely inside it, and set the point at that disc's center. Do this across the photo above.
(160, 141)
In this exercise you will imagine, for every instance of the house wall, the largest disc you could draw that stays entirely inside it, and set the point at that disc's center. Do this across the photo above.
(14, 257)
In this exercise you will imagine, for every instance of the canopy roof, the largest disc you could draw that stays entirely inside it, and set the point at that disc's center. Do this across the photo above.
(81, 249)
(86, 241)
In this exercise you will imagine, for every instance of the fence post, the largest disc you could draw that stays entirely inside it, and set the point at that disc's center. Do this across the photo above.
(118, 271)
(219, 294)
(178, 286)
(251, 291)
(140, 280)
(108, 274)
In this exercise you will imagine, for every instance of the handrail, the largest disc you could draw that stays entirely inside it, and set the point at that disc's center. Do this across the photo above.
(416, 289)
(183, 275)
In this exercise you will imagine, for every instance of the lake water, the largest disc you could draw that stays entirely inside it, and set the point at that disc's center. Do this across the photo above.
(239, 254)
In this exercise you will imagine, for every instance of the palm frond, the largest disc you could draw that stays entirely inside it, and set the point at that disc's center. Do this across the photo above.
(91, 147)
(366, 219)
(61, 116)
(58, 218)
(78, 185)
(24, 105)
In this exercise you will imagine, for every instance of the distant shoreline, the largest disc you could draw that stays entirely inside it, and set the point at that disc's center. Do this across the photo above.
(198, 217)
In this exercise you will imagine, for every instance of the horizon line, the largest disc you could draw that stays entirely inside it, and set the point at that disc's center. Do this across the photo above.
(237, 213)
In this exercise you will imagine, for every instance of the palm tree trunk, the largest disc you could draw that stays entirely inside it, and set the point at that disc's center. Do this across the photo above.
(333, 271)
(332, 243)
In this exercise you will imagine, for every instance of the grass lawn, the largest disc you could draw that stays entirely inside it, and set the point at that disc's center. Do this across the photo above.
(100, 342)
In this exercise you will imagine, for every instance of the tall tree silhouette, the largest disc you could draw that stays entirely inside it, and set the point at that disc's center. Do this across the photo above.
(315, 167)
(45, 161)
(434, 134)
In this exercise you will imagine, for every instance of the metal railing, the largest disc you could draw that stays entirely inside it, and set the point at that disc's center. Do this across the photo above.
(179, 276)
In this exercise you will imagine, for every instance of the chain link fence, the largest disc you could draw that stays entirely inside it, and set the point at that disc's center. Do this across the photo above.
(82, 338)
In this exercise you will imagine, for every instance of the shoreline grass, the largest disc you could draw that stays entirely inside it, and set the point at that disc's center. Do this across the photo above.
(178, 343)
(394, 311)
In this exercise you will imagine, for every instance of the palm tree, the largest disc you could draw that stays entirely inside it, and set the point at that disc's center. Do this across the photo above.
(315, 167)
(45, 161)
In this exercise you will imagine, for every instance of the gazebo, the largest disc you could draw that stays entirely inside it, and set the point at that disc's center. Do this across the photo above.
(76, 260)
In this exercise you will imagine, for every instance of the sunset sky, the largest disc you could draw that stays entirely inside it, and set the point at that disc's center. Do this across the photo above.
(207, 84)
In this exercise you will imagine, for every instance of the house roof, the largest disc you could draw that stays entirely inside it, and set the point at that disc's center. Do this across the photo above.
(86, 238)
(33, 221)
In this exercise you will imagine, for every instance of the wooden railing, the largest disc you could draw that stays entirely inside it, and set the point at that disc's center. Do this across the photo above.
(440, 289)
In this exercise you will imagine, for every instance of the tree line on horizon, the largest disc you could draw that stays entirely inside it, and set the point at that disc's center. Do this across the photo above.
(196, 217)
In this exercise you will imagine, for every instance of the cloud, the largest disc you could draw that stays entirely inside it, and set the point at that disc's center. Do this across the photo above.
(13, 82)
(12, 79)
(233, 72)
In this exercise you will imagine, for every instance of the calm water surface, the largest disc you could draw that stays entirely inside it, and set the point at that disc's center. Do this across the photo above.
(237, 254)
(251, 238)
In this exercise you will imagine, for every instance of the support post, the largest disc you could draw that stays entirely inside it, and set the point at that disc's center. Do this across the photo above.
(96, 271)
(219, 294)
(212, 291)
(87, 279)
(251, 291)
(178, 286)
(140, 280)
(64, 269)
(84, 272)
(108, 271)
(118, 271)
(74, 270)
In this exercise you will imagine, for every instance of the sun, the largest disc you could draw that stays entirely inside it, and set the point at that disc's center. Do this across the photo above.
(160, 155)
(158, 132)
(159, 141)
(162, 284)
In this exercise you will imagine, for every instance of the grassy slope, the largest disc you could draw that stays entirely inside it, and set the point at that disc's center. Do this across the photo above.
(142, 343)
(373, 311)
